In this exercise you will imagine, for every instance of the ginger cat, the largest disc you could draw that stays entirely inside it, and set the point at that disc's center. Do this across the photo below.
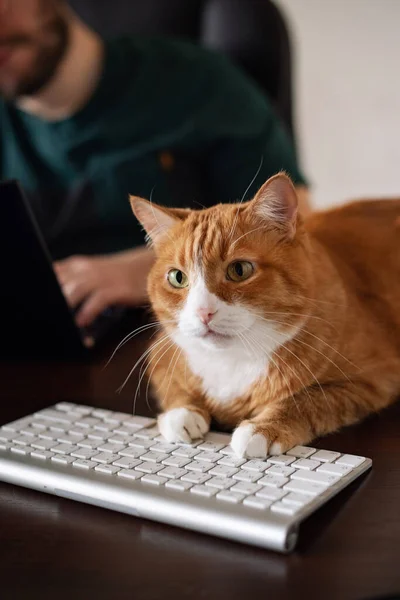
(282, 328)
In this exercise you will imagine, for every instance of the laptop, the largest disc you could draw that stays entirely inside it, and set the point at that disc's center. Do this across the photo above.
(36, 319)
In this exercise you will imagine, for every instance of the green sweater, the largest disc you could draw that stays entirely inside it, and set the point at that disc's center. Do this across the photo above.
(168, 119)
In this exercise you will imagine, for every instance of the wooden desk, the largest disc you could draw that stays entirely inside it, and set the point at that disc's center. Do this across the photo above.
(59, 549)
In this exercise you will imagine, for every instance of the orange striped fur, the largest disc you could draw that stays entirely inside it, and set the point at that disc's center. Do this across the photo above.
(328, 288)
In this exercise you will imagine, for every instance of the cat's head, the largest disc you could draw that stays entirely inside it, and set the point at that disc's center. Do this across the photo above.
(228, 273)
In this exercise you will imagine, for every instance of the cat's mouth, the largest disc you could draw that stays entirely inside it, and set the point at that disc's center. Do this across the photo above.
(211, 334)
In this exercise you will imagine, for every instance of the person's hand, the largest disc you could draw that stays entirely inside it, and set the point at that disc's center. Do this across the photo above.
(97, 282)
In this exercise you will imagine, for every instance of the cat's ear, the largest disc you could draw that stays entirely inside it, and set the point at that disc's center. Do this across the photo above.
(276, 204)
(156, 220)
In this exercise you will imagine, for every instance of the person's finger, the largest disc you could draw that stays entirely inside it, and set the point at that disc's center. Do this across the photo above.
(92, 308)
(75, 291)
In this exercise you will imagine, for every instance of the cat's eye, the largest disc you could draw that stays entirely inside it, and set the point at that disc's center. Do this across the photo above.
(177, 278)
(240, 270)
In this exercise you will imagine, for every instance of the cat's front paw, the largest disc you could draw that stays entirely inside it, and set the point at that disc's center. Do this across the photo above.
(256, 441)
(182, 425)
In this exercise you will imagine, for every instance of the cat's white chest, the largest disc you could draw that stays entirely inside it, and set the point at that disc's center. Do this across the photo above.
(226, 375)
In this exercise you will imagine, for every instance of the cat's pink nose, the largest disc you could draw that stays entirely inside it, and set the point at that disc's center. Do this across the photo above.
(205, 315)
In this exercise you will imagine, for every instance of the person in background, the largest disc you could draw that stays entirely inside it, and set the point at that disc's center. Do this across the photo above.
(84, 122)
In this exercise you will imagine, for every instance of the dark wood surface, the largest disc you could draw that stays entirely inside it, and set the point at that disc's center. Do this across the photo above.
(56, 548)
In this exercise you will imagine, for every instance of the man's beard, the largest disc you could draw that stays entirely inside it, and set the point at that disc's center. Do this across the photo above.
(50, 50)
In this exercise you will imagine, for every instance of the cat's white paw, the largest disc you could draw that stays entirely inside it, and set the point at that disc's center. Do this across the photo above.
(182, 425)
(248, 444)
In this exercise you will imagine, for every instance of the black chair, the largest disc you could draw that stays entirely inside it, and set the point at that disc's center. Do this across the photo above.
(252, 33)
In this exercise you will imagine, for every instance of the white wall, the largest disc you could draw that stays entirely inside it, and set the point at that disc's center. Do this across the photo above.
(347, 76)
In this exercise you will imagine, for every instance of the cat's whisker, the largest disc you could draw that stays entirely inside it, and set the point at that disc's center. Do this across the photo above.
(134, 333)
(307, 332)
(179, 350)
(147, 365)
(269, 355)
(247, 233)
(161, 342)
(142, 357)
(128, 337)
(243, 197)
(292, 314)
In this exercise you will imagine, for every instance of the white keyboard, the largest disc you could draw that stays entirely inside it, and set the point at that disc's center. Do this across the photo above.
(121, 462)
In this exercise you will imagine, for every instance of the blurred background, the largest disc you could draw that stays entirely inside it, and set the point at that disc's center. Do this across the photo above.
(341, 57)
(346, 60)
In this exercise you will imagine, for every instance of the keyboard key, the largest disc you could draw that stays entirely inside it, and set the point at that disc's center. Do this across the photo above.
(296, 499)
(50, 414)
(6, 436)
(221, 483)
(137, 422)
(48, 434)
(254, 502)
(131, 452)
(322, 478)
(147, 434)
(62, 459)
(101, 413)
(203, 490)
(301, 451)
(65, 406)
(173, 472)
(63, 448)
(84, 453)
(16, 425)
(350, 460)
(42, 444)
(109, 447)
(116, 417)
(60, 427)
(41, 423)
(211, 457)
(22, 440)
(221, 471)
(306, 463)
(210, 446)
(156, 457)
(149, 467)
(281, 470)
(326, 456)
(273, 480)
(256, 465)
(107, 469)
(42, 454)
(176, 461)
(228, 451)
(271, 493)
(248, 476)
(103, 426)
(178, 484)
(23, 450)
(285, 509)
(81, 409)
(305, 487)
(87, 422)
(196, 477)
(116, 438)
(84, 464)
(29, 431)
(96, 434)
(5, 445)
(200, 466)
(334, 469)
(126, 462)
(105, 458)
(246, 488)
(143, 444)
(232, 497)
(186, 452)
(163, 447)
(281, 459)
(65, 438)
(129, 474)
(89, 443)
(154, 479)
(232, 461)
